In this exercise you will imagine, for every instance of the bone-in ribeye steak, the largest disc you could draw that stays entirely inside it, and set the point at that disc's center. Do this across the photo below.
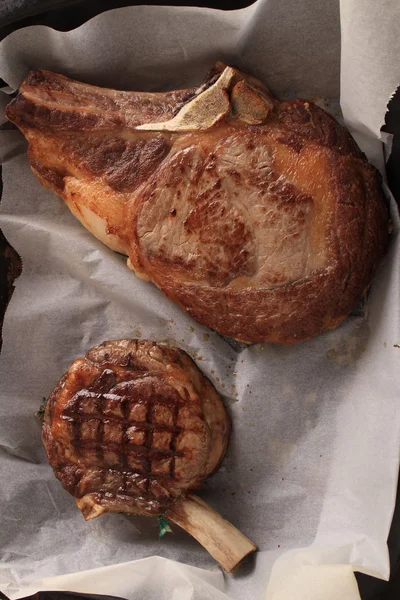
(261, 218)
(135, 426)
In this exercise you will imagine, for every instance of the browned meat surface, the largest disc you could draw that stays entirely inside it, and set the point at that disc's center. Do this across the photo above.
(132, 426)
(262, 219)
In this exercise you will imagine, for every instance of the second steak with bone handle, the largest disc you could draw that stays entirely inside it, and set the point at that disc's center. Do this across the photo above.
(133, 427)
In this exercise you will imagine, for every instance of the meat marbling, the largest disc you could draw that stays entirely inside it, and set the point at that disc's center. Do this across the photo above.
(262, 219)
(133, 427)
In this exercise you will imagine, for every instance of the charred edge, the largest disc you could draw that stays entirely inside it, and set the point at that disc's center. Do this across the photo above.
(44, 80)
(311, 122)
(26, 113)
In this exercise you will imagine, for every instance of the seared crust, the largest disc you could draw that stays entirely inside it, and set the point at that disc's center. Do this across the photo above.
(133, 425)
(304, 122)
(335, 227)
(265, 223)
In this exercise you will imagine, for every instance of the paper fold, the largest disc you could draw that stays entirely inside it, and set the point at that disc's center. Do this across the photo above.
(313, 457)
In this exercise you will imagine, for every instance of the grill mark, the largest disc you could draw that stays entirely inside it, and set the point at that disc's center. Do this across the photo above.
(99, 449)
(144, 451)
(149, 440)
(125, 441)
(102, 384)
(172, 445)
(105, 393)
(169, 402)
(110, 395)
(141, 425)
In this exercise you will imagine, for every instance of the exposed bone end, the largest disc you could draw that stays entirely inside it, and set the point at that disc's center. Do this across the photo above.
(251, 101)
(248, 105)
(89, 507)
(220, 538)
(252, 82)
(204, 111)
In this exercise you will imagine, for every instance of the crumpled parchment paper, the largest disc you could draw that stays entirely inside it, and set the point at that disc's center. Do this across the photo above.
(311, 471)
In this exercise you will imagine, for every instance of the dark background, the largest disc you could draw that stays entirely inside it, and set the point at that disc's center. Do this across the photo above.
(65, 15)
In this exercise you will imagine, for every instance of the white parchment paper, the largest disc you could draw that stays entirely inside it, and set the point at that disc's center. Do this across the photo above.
(311, 471)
